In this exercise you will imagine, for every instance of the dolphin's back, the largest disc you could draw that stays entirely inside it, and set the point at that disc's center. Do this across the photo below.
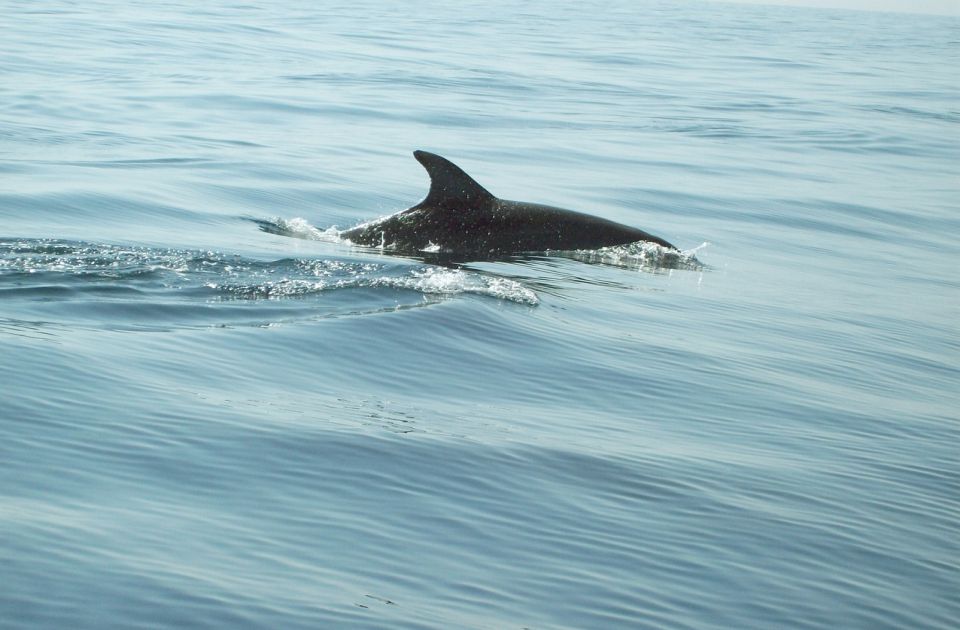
(460, 216)
(568, 229)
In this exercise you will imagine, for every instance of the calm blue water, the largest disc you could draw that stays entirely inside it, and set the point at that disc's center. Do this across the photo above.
(206, 425)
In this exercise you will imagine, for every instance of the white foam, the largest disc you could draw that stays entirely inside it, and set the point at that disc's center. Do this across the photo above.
(440, 281)
(641, 255)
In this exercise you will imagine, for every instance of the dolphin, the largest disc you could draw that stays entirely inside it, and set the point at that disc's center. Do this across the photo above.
(460, 217)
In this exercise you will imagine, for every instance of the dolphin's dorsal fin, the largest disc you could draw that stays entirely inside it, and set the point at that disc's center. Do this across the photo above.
(450, 187)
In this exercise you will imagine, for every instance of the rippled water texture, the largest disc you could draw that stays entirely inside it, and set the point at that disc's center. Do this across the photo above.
(216, 413)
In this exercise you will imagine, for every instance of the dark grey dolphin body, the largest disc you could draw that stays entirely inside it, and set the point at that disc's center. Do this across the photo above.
(460, 217)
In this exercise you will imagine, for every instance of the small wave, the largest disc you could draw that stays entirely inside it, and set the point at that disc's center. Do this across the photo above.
(89, 261)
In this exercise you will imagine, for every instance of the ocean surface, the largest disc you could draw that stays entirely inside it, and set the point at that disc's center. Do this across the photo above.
(206, 424)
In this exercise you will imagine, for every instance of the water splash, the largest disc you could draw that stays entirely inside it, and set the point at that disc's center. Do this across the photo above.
(642, 255)
(440, 281)
(298, 228)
